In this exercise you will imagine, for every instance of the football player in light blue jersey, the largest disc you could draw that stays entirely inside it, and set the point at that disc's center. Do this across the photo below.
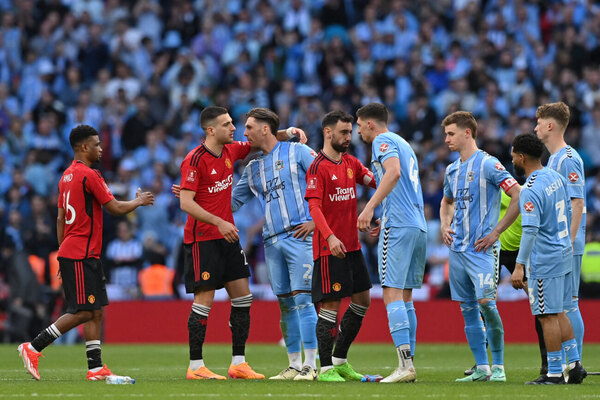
(277, 179)
(402, 231)
(552, 121)
(546, 252)
(469, 215)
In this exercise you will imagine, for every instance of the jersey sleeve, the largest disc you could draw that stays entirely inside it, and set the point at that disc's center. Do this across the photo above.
(362, 174)
(314, 186)
(447, 185)
(98, 187)
(305, 155)
(384, 148)
(497, 175)
(190, 176)
(530, 207)
(241, 193)
(239, 150)
(572, 170)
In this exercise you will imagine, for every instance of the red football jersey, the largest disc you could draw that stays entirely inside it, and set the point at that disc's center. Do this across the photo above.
(211, 177)
(334, 184)
(81, 193)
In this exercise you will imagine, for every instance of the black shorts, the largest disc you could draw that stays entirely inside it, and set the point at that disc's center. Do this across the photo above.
(212, 263)
(336, 278)
(508, 259)
(84, 284)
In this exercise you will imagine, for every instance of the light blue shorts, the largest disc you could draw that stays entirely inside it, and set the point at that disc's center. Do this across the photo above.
(473, 275)
(402, 255)
(290, 265)
(550, 295)
(576, 275)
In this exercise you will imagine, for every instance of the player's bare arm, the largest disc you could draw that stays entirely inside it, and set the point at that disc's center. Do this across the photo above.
(388, 181)
(446, 215)
(189, 205)
(512, 212)
(60, 225)
(284, 135)
(117, 207)
(577, 207)
(303, 230)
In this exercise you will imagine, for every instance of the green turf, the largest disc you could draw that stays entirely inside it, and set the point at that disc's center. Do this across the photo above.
(160, 374)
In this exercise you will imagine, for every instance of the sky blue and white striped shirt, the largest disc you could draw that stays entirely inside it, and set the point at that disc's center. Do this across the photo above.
(277, 179)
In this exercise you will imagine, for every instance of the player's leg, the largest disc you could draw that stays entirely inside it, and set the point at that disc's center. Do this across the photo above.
(326, 334)
(570, 347)
(552, 336)
(201, 275)
(462, 289)
(573, 312)
(414, 280)
(92, 331)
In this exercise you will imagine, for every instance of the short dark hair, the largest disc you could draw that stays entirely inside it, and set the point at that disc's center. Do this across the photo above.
(209, 114)
(376, 111)
(267, 116)
(332, 118)
(80, 133)
(462, 119)
(528, 144)
(558, 111)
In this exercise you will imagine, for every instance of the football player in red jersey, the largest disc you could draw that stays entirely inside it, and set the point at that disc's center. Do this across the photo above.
(82, 193)
(339, 267)
(213, 257)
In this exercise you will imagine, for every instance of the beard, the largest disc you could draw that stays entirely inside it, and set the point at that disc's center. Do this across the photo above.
(340, 148)
(520, 171)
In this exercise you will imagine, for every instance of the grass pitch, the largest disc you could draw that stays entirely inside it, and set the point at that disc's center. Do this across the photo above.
(160, 370)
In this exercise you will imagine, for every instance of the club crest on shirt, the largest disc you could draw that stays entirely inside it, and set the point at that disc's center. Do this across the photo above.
(499, 166)
(383, 148)
(228, 163)
(313, 153)
(279, 165)
(528, 206)
(350, 173)
(68, 178)
(205, 276)
(470, 176)
(336, 287)
(312, 184)
(191, 176)
(91, 299)
(573, 177)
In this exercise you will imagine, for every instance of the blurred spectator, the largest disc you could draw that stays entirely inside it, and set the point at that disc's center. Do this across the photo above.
(124, 259)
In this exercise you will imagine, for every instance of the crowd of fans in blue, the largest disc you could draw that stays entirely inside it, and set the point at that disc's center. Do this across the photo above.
(141, 72)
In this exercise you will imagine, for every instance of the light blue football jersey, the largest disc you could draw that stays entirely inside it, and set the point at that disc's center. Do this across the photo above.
(475, 186)
(545, 204)
(277, 179)
(403, 206)
(569, 164)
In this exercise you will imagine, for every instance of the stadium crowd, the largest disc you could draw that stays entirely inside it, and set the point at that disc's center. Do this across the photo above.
(142, 71)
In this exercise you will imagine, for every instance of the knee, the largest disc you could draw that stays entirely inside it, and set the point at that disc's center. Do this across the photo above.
(97, 315)
(483, 302)
(84, 316)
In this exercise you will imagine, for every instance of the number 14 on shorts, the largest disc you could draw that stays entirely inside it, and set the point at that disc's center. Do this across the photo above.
(487, 281)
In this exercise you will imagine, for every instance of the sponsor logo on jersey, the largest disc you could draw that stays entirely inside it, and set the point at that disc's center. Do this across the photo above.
(213, 172)
(228, 163)
(470, 176)
(91, 299)
(499, 166)
(279, 165)
(68, 178)
(205, 276)
(336, 287)
(191, 176)
(312, 184)
(528, 206)
(573, 177)
(342, 194)
(334, 178)
(383, 148)
(350, 173)
(221, 185)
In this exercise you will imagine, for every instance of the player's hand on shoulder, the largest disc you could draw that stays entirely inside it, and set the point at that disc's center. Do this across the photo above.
(299, 133)
(374, 232)
(228, 230)
(447, 233)
(176, 189)
(336, 247)
(303, 230)
(487, 241)
(147, 198)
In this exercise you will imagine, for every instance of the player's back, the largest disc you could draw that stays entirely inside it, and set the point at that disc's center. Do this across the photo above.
(82, 191)
(546, 205)
(403, 206)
